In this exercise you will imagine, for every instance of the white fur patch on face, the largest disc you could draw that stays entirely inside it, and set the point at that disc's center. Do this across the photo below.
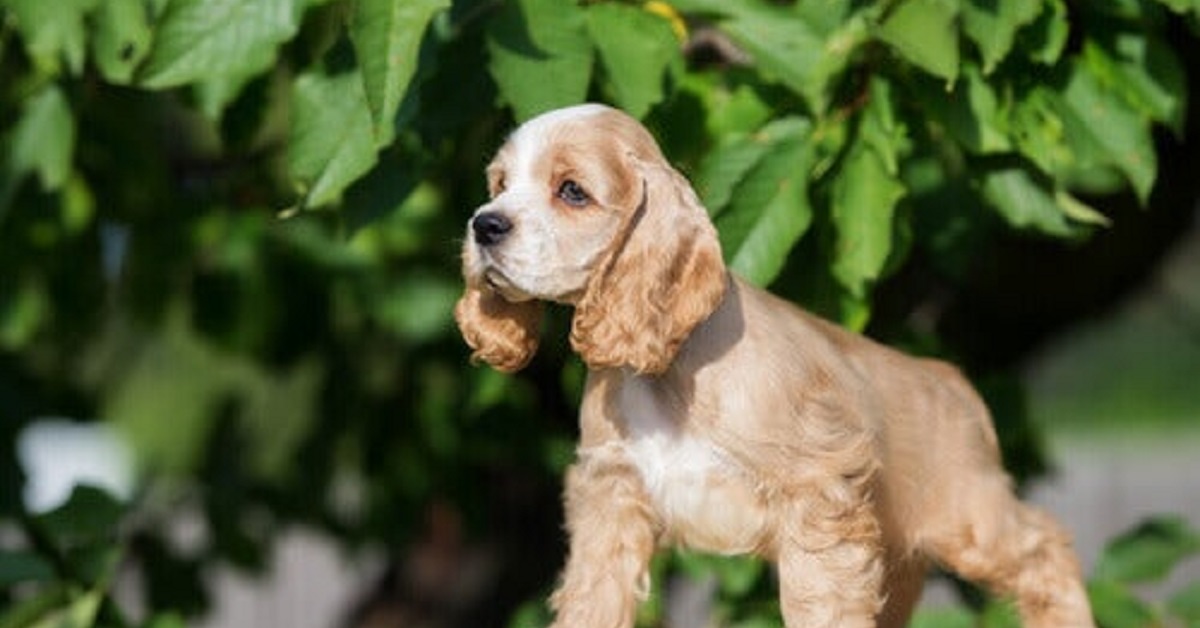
(542, 257)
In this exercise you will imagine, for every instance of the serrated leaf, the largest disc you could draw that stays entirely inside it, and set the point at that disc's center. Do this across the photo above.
(726, 165)
(1149, 552)
(1114, 605)
(799, 49)
(770, 209)
(122, 38)
(387, 37)
(541, 58)
(43, 141)
(1040, 133)
(1106, 130)
(970, 112)
(881, 129)
(864, 200)
(1022, 202)
(993, 26)
(926, 33)
(1144, 70)
(233, 40)
(332, 139)
(636, 47)
(54, 32)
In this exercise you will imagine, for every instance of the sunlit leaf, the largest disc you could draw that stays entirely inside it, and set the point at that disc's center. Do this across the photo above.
(387, 36)
(1102, 124)
(122, 38)
(54, 32)
(1144, 71)
(1045, 39)
(969, 111)
(541, 58)
(726, 166)
(925, 32)
(1023, 202)
(636, 47)
(218, 40)
(332, 138)
(800, 49)
(864, 200)
(43, 141)
(993, 26)
(770, 209)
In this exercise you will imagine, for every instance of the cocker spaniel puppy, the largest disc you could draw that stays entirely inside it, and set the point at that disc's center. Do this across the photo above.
(722, 418)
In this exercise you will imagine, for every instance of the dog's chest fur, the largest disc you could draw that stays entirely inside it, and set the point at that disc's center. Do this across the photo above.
(704, 498)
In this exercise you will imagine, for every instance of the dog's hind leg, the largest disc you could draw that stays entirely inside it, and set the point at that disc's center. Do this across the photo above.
(1015, 551)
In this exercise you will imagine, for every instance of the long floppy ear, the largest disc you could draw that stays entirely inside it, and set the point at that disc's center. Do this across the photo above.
(502, 333)
(663, 276)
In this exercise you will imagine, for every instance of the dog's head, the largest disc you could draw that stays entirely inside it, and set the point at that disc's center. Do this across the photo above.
(585, 211)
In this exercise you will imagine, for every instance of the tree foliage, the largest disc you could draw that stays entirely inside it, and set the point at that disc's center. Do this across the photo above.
(229, 227)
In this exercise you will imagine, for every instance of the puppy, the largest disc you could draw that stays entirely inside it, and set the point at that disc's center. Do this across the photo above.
(719, 417)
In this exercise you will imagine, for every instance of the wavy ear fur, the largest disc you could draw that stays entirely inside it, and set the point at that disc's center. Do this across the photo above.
(668, 276)
(501, 333)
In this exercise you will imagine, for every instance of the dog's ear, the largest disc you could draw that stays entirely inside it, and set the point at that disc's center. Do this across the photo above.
(502, 333)
(663, 276)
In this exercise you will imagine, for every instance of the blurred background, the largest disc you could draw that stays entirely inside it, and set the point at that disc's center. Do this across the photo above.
(232, 393)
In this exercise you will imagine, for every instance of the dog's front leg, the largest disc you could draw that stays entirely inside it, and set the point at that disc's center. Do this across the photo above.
(613, 535)
(830, 562)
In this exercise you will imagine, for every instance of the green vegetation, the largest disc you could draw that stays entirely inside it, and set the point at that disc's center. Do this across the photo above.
(229, 229)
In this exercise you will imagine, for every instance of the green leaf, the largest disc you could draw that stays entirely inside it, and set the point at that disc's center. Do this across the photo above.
(865, 192)
(925, 32)
(1105, 130)
(770, 209)
(1044, 40)
(17, 566)
(1038, 125)
(969, 112)
(332, 140)
(123, 38)
(1145, 71)
(1023, 202)
(89, 516)
(387, 37)
(1185, 603)
(43, 141)
(804, 51)
(993, 26)
(1149, 552)
(726, 165)
(54, 32)
(1115, 605)
(219, 40)
(864, 199)
(541, 58)
(637, 48)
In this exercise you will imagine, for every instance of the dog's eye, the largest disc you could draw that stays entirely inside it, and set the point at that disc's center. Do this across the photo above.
(573, 194)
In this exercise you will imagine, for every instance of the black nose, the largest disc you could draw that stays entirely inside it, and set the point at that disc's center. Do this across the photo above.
(490, 228)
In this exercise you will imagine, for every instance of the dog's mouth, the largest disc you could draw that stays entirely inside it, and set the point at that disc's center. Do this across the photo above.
(501, 284)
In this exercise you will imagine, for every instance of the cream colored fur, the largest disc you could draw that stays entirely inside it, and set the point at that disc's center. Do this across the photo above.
(722, 418)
